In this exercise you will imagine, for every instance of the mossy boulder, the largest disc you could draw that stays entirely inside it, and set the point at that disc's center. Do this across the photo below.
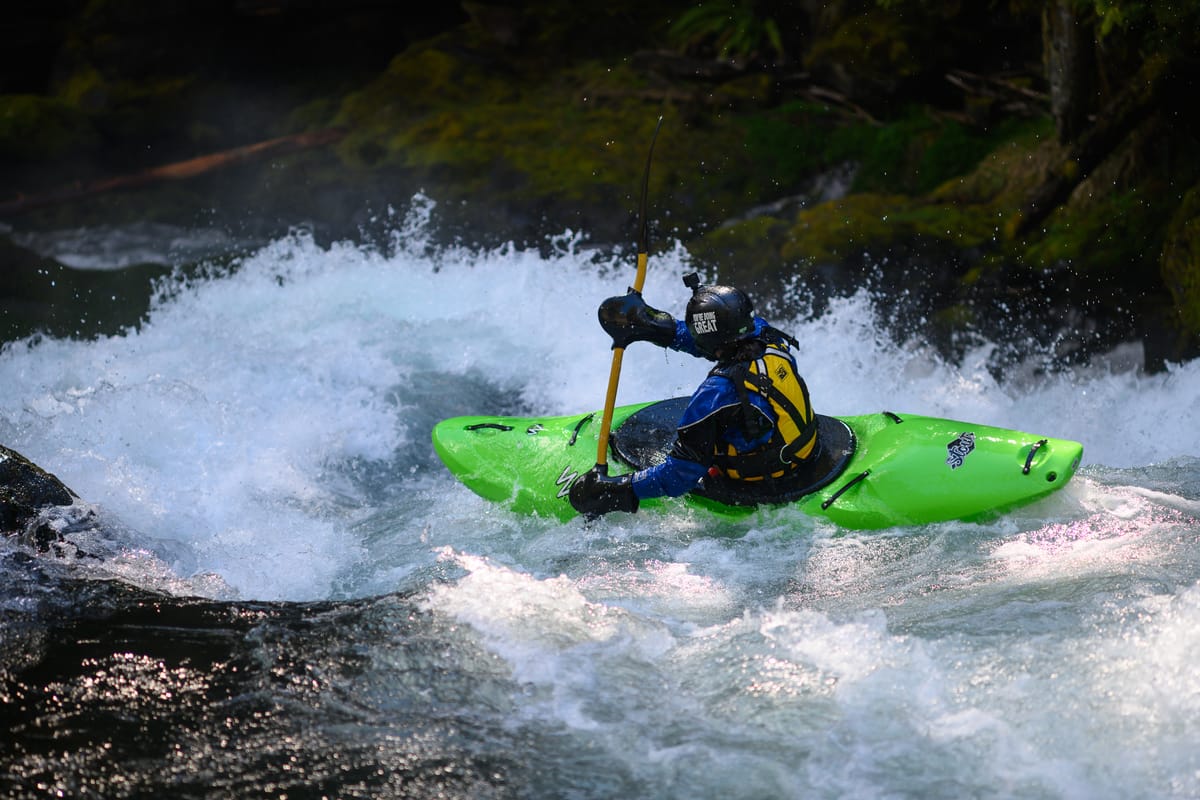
(972, 178)
(40, 128)
(1181, 265)
(830, 232)
(745, 253)
(566, 151)
(1112, 226)
(943, 255)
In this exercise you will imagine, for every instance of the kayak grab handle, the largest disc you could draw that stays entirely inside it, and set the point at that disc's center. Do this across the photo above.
(893, 417)
(1032, 451)
(579, 427)
(494, 425)
(860, 476)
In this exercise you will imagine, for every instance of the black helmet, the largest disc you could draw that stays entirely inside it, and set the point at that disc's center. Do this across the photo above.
(717, 315)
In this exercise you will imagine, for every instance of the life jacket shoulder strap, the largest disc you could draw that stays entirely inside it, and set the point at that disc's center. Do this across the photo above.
(803, 415)
(753, 373)
(738, 373)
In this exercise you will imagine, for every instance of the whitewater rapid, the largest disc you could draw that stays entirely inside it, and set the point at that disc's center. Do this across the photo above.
(260, 411)
(264, 435)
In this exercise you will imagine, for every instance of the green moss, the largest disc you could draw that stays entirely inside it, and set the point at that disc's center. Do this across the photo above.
(954, 149)
(1007, 173)
(919, 152)
(419, 85)
(1181, 261)
(745, 253)
(913, 154)
(41, 128)
(466, 143)
(831, 231)
(85, 88)
(748, 92)
(974, 275)
(874, 44)
(957, 317)
(1117, 236)
(580, 138)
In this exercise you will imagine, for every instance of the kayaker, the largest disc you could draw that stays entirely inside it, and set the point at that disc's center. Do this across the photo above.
(750, 420)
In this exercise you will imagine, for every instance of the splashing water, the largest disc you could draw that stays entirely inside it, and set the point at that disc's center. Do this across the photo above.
(263, 436)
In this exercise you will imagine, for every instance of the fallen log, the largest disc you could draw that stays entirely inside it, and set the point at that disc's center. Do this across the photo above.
(1011, 95)
(179, 170)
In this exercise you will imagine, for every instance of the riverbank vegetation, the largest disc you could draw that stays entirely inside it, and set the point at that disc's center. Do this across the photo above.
(1013, 171)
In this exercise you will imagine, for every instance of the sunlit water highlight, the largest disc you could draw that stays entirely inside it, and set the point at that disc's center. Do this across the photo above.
(264, 436)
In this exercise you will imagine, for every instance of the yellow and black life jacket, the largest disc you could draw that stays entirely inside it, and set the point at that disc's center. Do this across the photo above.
(770, 371)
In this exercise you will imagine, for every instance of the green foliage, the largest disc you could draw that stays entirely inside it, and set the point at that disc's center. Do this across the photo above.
(734, 29)
(41, 128)
(1120, 235)
(793, 141)
(913, 154)
(1181, 261)
(875, 45)
(745, 253)
(1149, 25)
(832, 231)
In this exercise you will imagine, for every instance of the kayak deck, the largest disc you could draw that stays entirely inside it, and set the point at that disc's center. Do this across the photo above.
(885, 469)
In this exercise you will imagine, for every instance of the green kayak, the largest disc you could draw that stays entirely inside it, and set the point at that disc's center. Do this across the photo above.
(874, 471)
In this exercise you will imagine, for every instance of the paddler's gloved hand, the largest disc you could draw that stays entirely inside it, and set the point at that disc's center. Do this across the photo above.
(594, 494)
(628, 319)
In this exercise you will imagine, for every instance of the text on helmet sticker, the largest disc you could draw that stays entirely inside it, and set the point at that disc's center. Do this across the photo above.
(705, 322)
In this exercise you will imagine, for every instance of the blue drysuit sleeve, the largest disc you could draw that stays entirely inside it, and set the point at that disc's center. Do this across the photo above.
(673, 477)
(683, 340)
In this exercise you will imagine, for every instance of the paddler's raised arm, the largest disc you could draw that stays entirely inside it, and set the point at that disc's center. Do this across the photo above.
(627, 318)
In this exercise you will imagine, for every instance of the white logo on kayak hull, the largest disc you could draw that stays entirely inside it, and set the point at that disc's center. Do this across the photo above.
(565, 480)
(959, 449)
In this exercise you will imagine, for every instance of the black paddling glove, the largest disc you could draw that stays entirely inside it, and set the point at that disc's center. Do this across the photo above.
(594, 494)
(628, 319)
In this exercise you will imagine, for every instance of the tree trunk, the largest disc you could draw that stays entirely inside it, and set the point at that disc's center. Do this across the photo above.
(1069, 59)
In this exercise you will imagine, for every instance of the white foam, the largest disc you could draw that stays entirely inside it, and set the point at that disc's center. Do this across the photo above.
(237, 419)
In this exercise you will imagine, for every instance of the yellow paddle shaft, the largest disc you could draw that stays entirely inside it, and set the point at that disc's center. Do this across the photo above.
(614, 376)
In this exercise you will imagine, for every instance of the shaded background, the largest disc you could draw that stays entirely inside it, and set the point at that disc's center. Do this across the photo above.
(978, 163)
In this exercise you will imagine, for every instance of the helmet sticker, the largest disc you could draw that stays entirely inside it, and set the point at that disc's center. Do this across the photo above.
(704, 322)
(959, 449)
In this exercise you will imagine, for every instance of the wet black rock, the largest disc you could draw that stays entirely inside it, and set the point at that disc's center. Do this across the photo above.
(25, 490)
